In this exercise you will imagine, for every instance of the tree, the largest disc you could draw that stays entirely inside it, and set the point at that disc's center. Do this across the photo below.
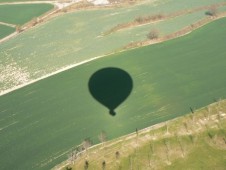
(102, 137)
(34, 21)
(149, 160)
(71, 157)
(117, 154)
(186, 126)
(180, 143)
(139, 19)
(212, 11)
(68, 168)
(192, 114)
(192, 111)
(64, 10)
(131, 162)
(137, 133)
(153, 34)
(166, 143)
(194, 138)
(18, 28)
(152, 147)
(86, 166)
(208, 112)
(167, 128)
(86, 144)
(104, 165)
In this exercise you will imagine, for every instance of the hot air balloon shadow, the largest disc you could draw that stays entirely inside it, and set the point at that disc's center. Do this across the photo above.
(110, 86)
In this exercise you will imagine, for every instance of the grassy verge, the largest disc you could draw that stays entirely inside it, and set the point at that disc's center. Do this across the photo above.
(195, 141)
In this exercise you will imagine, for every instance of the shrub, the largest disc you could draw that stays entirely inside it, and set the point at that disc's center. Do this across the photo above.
(212, 11)
(153, 34)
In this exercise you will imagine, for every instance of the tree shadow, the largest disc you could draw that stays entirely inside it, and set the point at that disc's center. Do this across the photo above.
(110, 86)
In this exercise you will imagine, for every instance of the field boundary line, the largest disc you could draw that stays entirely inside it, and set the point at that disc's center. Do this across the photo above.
(8, 37)
(52, 74)
(7, 24)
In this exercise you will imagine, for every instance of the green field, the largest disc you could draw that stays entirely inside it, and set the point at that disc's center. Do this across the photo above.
(42, 121)
(5, 30)
(75, 37)
(21, 13)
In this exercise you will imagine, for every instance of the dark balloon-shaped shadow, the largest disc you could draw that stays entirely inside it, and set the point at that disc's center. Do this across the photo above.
(110, 86)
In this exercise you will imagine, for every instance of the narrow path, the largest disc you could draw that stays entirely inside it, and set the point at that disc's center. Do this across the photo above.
(7, 24)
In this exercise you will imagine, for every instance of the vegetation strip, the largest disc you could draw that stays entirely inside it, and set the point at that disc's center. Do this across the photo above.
(153, 39)
(143, 20)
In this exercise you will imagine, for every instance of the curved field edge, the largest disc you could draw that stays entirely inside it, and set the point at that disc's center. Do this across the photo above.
(68, 40)
(48, 118)
(174, 144)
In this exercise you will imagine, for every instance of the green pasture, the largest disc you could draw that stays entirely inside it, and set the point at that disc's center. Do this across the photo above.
(42, 121)
(19, 14)
(75, 37)
(5, 30)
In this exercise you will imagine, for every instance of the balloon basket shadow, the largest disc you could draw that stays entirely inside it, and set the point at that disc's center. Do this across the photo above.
(112, 112)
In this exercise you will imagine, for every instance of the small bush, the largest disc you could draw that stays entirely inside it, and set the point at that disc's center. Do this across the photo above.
(68, 168)
(212, 11)
(19, 29)
(139, 19)
(153, 34)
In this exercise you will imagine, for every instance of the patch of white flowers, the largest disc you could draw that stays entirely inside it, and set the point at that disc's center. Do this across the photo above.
(11, 75)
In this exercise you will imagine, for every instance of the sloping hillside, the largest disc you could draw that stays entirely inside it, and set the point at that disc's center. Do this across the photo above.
(194, 141)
